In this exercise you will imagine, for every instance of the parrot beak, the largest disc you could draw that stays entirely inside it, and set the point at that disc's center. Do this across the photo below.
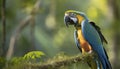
(69, 20)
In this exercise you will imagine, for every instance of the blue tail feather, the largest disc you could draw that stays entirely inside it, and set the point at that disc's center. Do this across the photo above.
(104, 60)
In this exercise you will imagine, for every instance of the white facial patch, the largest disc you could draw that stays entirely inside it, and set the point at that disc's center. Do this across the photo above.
(66, 14)
(74, 19)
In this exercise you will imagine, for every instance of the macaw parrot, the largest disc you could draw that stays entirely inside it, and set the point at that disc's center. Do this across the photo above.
(88, 38)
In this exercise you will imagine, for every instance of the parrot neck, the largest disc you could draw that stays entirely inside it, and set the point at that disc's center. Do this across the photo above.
(78, 25)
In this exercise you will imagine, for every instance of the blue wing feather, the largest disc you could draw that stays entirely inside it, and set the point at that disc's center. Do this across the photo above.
(76, 40)
(93, 38)
(99, 32)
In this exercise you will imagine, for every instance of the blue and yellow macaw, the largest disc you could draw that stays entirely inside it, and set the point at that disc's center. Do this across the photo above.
(88, 38)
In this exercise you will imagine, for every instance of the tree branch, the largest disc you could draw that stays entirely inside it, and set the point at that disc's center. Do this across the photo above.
(3, 28)
(32, 30)
(20, 27)
(57, 64)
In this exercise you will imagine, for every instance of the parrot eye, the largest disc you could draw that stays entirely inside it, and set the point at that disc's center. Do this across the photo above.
(72, 15)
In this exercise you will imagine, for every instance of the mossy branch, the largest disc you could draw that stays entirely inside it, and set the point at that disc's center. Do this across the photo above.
(58, 63)
(33, 60)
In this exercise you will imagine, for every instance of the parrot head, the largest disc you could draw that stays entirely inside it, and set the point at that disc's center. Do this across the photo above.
(74, 18)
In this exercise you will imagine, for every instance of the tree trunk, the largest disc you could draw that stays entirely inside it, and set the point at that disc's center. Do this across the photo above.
(2, 49)
(115, 6)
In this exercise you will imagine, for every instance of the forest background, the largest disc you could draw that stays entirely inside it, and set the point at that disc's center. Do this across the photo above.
(38, 25)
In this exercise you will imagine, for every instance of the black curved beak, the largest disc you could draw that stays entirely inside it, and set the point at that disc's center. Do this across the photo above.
(69, 20)
(66, 20)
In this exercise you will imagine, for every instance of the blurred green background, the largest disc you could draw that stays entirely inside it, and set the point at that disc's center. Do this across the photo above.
(48, 32)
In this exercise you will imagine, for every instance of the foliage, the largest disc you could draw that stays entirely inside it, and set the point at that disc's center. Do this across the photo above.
(16, 60)
(33, 55)
(22, 62)
(2, 62)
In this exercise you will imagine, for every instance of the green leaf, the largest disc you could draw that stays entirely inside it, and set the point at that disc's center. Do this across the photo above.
(33, 55)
